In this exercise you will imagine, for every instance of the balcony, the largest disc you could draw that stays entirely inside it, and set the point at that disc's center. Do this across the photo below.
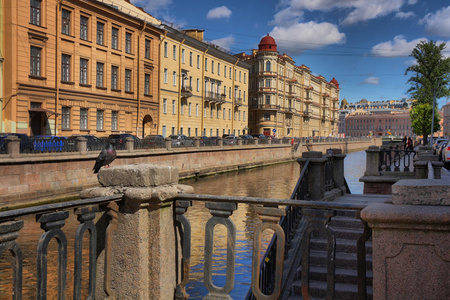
(290, 94)
(291, 80)
(215, 97)
(306, 114)
(267, 90)
(290, 110)
(268, 73)
(307, 99)
(324, 104)
(186, 92)
(266, 106)
(335, 99)
(238, 102)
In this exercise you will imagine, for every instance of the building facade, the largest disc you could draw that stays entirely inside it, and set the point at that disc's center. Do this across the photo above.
(287, 100)
(72, 67)
(363, 123)
(203, 90)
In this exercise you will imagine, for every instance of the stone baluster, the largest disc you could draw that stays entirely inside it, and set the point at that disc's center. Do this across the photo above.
(185, 229)
(82, 145)
(13, 143)
(221, 213)
(219, 141)
(129, 144)
(196, 142)
(316, 173)
(168, 142)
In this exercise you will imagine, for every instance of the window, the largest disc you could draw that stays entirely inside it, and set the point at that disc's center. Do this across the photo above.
(268, 99)
(84, 28)
(218, 114)
(173, 130)
(35, 12)
(230, 72)
(114, 73)
(243, 116)
(268, 66)
(190, 59)
(218, 68)
(229, 94)
(225, 71)
(174, 52)
(166, 49)
(65, 118)
(268, 83)
(229, 114)
(127, 80)
(147, 84)
(100, 119)
(204, 112)
(182, 108)
(206, 64)
(83, 118)
(182, 56)
(164, 130)
(174, 78)
(266, 117)
(196, 111)
(147, 48)
(128, 42)
(65, 22)
(165, 106)
(212, 66)
(99, 80)
(198, 84)
(224, 113)
(239, 116)
(114, 120)
(190, 109)
(166, 75)
(65, 67)
(198, 61)
(83, 71)
(115, 38)
(240, 76)
(173, 107)
(100, 32)
(35, 61)
(245, 77)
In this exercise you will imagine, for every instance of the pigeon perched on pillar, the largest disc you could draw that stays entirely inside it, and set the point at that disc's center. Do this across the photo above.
(105, 157)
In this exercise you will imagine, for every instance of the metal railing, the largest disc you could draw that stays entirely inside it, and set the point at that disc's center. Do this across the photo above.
(396, 160)
(52, 219)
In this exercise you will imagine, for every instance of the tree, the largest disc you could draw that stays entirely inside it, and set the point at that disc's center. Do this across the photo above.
(421, 120)
(430, 80)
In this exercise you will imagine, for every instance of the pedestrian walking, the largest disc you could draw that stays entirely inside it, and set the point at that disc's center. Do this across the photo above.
(409, 144)
(405, 140)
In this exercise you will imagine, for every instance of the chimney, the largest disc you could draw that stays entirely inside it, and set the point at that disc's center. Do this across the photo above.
(195, 33)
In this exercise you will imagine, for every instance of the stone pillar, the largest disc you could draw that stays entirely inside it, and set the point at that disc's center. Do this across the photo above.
(129, 144)
(410, 241)
(239, 141)
(197, 142)
(338, 169)
(255, 141)
(13, 143)
(219, 141)
(269, 141)
(421, 169)
(82, 145)
(168, 143)
(316, 173)
(143, 255)
(437, 167)
(372, 161)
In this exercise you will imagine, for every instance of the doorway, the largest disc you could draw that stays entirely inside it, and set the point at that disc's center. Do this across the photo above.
(147, 125)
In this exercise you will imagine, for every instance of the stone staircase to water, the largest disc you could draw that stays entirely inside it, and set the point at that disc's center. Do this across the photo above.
(347, 230)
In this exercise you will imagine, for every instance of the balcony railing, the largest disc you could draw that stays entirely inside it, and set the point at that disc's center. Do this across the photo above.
(238, 102)
(215, 97)
(186, 92)
(268, 73)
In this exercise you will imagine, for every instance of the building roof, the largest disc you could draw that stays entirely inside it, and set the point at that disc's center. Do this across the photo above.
(267, 43)
(126, 7)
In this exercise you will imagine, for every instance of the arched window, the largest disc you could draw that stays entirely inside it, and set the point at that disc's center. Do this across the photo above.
(268, 65)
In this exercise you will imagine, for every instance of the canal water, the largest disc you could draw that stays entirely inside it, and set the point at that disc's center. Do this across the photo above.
(276, 181)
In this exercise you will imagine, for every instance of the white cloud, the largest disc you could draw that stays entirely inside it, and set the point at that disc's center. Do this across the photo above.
(303, 36)
(287, 17)
(438, 23)
(404, 15)
(225, 42)
(219, 13)
(399, 47)
(372, 81)
(359, 10)
(152, 5)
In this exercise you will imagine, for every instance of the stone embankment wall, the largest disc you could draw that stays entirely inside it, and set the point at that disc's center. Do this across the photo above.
(30, 177)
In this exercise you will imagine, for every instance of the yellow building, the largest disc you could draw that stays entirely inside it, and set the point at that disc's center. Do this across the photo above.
(203, 90)
(287, 100)
(79, 66)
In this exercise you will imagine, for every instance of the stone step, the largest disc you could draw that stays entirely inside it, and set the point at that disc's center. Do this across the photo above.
(317, 289)
(342, 245)
(341, 233)
(340, 275)
(346, 222)
(343, 260)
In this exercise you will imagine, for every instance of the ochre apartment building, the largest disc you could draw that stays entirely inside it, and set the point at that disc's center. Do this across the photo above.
(79, 67)
(204, 90)
(287, 100)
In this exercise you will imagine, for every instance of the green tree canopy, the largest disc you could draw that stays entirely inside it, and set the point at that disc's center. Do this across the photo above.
(431, 72)
(421, 120)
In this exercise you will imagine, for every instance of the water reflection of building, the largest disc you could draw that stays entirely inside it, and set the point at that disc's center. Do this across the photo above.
(79, 66)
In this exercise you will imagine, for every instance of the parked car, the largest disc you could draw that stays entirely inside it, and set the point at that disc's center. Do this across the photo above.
(246, 139)
(93, 143)
(259, 136)
(445, 155)
(230, 140)
(436, 144)
(154, 141)
(181, 140)
(441, 147)
(120, 140)
(26, 145)
(208, 141)
(48, 143)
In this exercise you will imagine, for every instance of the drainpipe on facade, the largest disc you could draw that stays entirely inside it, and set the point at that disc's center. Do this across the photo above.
(179, 87)
(159, 79)
(203, 92)
(58, 8)
(233, 99)
(138, 92)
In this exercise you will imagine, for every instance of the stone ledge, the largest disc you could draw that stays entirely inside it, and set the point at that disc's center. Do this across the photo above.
(421, 192)
(138, 175)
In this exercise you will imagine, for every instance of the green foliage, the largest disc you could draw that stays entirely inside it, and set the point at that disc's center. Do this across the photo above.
(431, 73)
(421, 119)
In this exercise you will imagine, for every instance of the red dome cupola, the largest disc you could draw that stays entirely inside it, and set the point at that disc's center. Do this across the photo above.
(335, 82)
(267, 44)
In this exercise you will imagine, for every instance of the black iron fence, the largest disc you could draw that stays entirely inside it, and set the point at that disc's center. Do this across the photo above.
(396, 160)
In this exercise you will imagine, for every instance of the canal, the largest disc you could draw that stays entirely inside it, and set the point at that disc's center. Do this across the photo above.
(276, 181)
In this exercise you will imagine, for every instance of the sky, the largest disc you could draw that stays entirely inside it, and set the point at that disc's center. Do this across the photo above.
(364, 44)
